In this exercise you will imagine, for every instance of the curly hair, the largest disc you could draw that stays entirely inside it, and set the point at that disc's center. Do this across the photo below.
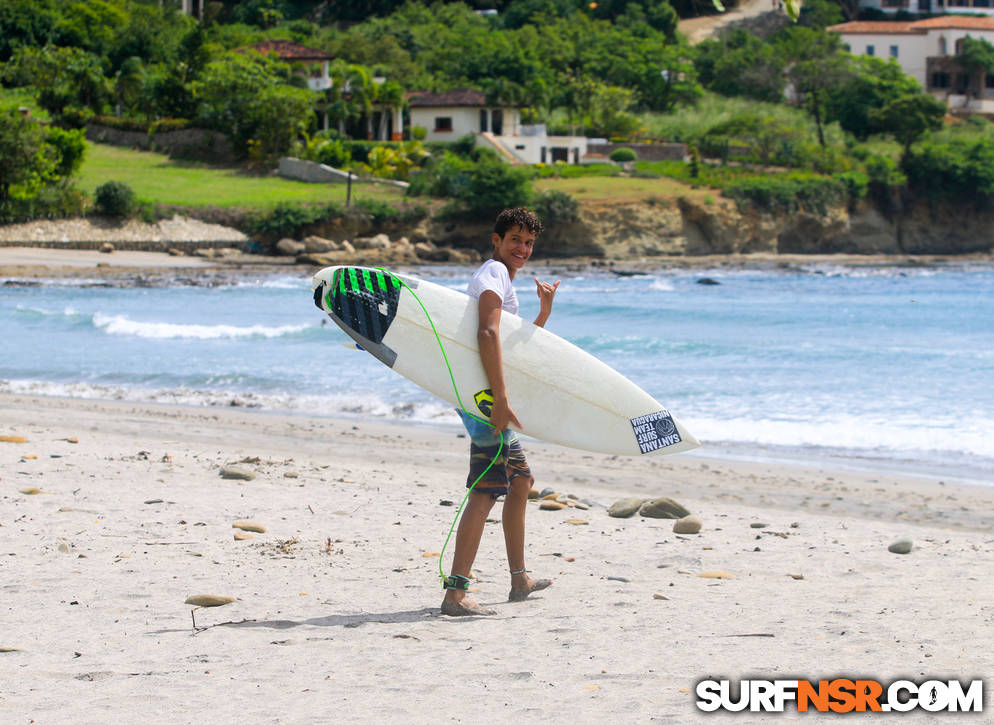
(519, 216)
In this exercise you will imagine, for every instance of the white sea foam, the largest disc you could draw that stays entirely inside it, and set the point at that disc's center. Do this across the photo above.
(909, 438)
(121, 325)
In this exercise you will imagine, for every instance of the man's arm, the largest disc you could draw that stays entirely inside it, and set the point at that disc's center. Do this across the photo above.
(488, 339)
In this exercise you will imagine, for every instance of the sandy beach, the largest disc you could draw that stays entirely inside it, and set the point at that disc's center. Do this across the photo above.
(336, 618)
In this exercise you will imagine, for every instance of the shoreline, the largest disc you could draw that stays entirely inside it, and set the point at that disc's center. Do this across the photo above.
(865, 463)
(34, 263)
(340, 594)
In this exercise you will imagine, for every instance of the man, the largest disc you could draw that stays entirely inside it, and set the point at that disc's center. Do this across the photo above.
(513, 240)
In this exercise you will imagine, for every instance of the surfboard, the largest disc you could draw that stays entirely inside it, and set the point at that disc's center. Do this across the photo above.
(559, 392)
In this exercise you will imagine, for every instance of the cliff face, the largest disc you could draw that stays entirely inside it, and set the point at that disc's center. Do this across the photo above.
(692, 226)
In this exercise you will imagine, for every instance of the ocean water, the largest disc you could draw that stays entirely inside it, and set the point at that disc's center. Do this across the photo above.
(871, 367)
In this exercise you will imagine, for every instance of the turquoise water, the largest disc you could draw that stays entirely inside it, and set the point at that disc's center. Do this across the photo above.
(878, 367)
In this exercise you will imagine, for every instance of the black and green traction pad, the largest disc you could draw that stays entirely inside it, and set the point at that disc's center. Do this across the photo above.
(363, 302)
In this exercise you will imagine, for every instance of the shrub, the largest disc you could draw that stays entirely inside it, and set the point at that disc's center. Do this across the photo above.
(794, 192)
(557, 207)
(287, 219)
(115, 198)
(622, 155)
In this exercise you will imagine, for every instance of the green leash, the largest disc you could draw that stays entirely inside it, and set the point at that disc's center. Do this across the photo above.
(455, 581)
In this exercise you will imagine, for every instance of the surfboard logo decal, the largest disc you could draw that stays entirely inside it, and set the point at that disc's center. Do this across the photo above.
(655, 431)
(485, 401)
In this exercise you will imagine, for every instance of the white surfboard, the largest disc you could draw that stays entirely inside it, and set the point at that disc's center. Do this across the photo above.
(559, 392)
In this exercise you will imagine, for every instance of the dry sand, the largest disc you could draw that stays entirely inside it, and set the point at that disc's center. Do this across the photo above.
(336, 617)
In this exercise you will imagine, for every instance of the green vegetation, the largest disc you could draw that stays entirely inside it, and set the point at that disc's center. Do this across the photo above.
(159, 179)
(615, 69)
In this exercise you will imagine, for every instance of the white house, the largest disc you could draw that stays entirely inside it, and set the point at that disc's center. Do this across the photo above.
(926, 50)
(453, 114)
(924, 7)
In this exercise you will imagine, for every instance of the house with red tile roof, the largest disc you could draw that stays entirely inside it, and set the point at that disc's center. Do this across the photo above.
(926, 50)
(289, 52)
(450, 115)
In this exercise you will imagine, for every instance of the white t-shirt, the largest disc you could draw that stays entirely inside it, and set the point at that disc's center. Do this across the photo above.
(493, 275)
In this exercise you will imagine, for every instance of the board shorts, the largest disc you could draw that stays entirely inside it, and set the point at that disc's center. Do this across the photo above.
(483, 446)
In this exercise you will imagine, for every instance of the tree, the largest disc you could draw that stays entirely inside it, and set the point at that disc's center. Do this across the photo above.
(976, 55)
(818, 67)
(910, 117)
(26, 161)
(246, 96)
(874, 82)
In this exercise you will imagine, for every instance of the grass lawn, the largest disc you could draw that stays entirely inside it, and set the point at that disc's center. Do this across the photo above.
(158, 179)
(18, 97)
(617, 189)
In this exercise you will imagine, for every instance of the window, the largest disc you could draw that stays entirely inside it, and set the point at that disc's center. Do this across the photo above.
(940, 80)
(443, 123)
(483, 120)
(943, 49)
(893, 51)
(869, 50)
(988, 81)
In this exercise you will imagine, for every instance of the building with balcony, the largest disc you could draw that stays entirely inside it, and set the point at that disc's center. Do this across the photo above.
(926, 50)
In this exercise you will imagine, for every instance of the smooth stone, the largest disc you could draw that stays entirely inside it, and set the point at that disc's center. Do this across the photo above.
(758, 525)
(716, 575)
(237, 473)
(626, 580)
(625, 507)
(552, 506)
(577, 522)
(208, 600)
(545, 492)
(249, 526)
(242, 536)
(533, 494)
(582, 506)
(663, 508)
(901, 546)
(663, 597)
(13, 439)
(688, 525)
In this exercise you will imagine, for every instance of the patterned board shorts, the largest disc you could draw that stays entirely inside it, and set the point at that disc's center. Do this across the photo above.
(483, 447)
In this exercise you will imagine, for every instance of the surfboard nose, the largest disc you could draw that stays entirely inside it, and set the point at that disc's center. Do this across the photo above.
(319, 295)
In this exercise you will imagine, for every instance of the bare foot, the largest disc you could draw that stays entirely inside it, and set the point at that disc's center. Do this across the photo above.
(464, 607)
(521, 589)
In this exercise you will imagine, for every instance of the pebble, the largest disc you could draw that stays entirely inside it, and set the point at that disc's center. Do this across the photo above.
(582, 506)
(758, 525)
(577, 522)
(549, 505)
(661, 596)
(688, 525)
(625, 507)
(663, 508)
(6, 648)
(208, 600)
(624, 579)
(545, 492)
(901, 546)
(249, 526)
(30, 491)
(242, 536)
(291, 474)
(74, 439)
(237, 473)
(796, 576)
(549, 496)
(13, 439)
(533, 494)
